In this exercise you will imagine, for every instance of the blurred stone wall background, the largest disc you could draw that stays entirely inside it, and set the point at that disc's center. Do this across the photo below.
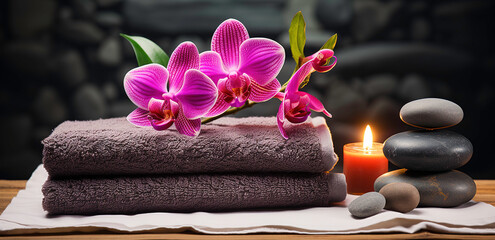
(64, 60)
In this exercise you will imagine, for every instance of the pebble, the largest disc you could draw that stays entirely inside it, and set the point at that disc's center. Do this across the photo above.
(89, 104)
(343, 102)
(399, 58)
(81, 32)
(413, 87)
(108, 19)
(431, 113)
(367, 205)
(28, 18)
(48, 107)
(436, 189)
(401, 197)
(171, 18)
(425, 150)
(108, 3)
(84, 8)
(379, 85)
(371, 17)
(335, 15)
(71, 68)
(110, 53)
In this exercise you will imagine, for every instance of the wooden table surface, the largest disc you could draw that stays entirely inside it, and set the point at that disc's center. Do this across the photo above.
(8, 189)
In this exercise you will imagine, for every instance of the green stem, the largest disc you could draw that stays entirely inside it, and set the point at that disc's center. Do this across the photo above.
(233, 110)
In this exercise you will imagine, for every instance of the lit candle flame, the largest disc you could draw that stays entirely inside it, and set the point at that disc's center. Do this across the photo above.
(368, 138)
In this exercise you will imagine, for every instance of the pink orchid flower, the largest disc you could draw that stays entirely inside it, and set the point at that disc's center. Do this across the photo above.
(243, 68)
(190, 94)
(296, 106)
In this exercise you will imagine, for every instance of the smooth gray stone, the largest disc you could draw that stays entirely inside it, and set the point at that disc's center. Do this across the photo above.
(108, 19)
(108, 3)
(28, 18)
(344, 102)
(71, 69)
(372, 16)
(89, 104)
(431, 113)
(401, 197)
(81, 32)
(335, 14)
(84, 8)
(378, 85)
(49, 108)
(110, 53)
(367, 205)
(414, 87)
(420, 29)
(401, 58)
(436, 189)
(203, 17)
(425, 150)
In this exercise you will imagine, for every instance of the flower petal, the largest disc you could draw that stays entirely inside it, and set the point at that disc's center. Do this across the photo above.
(261, 59)
(156, 105)
(219, 107)
(226, 41)
(237, 103)
(210, 63)
(145, 82)
(320, 59)
(184, 57)
(299, 76)
(198, 94)
(186, 126)
(315, 104)
(325, 68)
(139, 117)
(316, 62)
(264, 93)
(280, 120)
(161, 125)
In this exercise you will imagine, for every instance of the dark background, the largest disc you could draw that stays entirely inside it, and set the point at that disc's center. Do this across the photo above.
(64, 60)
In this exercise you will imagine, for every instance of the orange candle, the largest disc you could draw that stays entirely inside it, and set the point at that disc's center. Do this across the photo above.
(364, 162)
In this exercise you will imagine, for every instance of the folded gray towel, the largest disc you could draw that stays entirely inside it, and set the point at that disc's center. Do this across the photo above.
(192, 192)
(254, 144)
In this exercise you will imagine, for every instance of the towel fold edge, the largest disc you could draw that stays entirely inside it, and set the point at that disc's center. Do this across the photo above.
(326, 142)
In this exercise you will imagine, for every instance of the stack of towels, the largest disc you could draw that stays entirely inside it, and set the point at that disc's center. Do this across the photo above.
(109, 166)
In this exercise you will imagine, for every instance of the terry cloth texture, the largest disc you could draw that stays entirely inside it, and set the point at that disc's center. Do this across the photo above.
(191, 192)
(254, 144)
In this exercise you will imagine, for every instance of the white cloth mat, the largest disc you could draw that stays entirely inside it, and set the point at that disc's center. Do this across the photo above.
(25, 215)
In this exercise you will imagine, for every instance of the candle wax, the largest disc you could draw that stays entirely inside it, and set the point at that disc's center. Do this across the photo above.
(363, 166)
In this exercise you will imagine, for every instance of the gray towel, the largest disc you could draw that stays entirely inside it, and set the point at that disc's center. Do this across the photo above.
(192, 192)
(254, 144)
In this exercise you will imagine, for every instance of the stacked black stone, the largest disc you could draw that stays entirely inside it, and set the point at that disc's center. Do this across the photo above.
(430, 155)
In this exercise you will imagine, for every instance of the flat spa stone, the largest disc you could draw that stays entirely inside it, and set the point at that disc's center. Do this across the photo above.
(431, 113)
(401, 197)
(424, 150)
(442, 189)
(367, 205)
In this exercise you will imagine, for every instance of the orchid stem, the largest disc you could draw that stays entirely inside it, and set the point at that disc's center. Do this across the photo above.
(233, 110)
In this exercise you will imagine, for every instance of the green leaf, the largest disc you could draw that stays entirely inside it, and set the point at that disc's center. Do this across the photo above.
(147, 51)
(330, 44)
(297, 37)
